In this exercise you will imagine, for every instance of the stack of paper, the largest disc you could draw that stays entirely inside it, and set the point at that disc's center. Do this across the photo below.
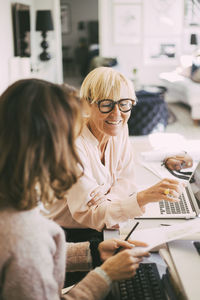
(161, 235)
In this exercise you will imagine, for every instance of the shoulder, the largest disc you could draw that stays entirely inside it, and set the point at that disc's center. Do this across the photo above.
(28, 230)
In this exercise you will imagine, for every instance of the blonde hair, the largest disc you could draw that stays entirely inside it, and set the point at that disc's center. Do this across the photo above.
(103, 82)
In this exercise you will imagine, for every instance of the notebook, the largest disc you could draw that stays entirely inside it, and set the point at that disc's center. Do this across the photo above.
(188, 207)
(185, 256)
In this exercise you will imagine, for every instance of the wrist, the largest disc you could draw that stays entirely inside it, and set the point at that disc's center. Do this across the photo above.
(107, 269)
(104, 274)
(141, 198)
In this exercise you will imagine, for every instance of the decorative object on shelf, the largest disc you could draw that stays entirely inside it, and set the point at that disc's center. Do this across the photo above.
(135, 79)
(44, 23)
(21, 29)
(161, 50)
(81, 25)
(193, 39)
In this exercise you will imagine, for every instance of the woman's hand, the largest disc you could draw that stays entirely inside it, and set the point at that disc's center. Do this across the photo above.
(123, 265)
(178, 162)
(166, 189)
(98, 195)
(108, 248)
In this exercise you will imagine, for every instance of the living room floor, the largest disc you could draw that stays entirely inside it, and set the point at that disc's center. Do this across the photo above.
(182, 122)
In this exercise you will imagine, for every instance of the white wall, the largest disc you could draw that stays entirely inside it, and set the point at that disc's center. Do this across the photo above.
(51, 70)
(131, 56)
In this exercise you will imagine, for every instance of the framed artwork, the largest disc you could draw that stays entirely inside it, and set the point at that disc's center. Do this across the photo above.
(161, 16)
(21, 29)
(191, 13)
(65, 18)
(127, 23)
(161, 51)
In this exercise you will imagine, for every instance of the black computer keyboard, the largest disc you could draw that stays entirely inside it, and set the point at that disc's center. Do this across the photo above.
(145, 285)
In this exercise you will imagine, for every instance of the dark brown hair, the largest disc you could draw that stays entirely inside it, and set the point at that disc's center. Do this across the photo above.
(39, 122)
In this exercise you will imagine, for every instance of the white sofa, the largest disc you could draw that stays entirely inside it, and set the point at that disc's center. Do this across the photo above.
(183, 89)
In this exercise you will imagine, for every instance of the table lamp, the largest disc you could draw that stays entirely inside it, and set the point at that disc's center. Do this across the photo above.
(44, 23)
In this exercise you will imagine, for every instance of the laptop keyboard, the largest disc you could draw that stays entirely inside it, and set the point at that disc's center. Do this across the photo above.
(197, 246)
(169, 208)
(145, 285)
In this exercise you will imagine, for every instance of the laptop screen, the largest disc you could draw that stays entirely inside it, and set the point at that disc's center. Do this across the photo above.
(195, 184)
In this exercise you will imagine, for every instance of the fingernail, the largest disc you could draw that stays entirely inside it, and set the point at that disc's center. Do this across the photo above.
(89, 204)
(92, 194)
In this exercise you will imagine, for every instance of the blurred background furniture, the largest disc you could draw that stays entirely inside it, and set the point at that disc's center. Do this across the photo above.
(183, 89)
(150, 113)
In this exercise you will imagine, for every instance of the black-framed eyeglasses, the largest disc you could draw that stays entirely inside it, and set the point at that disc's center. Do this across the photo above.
(107, 105)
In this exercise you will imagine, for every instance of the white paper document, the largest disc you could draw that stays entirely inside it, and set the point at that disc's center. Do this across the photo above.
(161, 235)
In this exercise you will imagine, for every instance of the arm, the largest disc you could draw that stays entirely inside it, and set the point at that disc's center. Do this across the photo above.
(117, 208)
(78, 257)
(97, 283)
(92, 287)
(106, 214)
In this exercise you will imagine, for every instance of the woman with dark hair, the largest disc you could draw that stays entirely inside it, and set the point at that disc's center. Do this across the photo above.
(39, 122)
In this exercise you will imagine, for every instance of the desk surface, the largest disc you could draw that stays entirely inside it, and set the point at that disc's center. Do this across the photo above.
(143, 178)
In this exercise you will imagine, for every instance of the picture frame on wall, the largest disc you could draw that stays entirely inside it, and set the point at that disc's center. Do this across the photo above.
(127, 23)
(21, 29)
(161, 51)
(65, 18)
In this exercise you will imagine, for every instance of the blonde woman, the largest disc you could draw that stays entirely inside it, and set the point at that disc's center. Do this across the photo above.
(106, 194)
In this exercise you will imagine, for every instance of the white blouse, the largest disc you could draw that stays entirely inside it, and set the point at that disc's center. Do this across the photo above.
(116, 178)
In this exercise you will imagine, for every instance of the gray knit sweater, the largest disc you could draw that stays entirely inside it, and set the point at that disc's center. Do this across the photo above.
(33, 260)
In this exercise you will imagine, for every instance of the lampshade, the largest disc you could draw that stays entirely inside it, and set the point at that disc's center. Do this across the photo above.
(193, 39)
(24, 20)
(44, 20)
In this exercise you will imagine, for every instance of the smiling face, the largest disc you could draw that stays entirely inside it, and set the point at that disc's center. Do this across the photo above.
(108, 124)
(106, 83)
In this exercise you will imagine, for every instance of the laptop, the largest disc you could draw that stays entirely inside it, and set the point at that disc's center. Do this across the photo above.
(188, 207)
(186, 260)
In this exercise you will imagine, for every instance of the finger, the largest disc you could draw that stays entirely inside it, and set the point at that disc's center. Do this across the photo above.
(170, 198)
(176, 187)
(96, 196)
(138, 243)
(143, 254)
(124, 244)
(96, 202)
(169, 180)
(97, 190)
(137, 259)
